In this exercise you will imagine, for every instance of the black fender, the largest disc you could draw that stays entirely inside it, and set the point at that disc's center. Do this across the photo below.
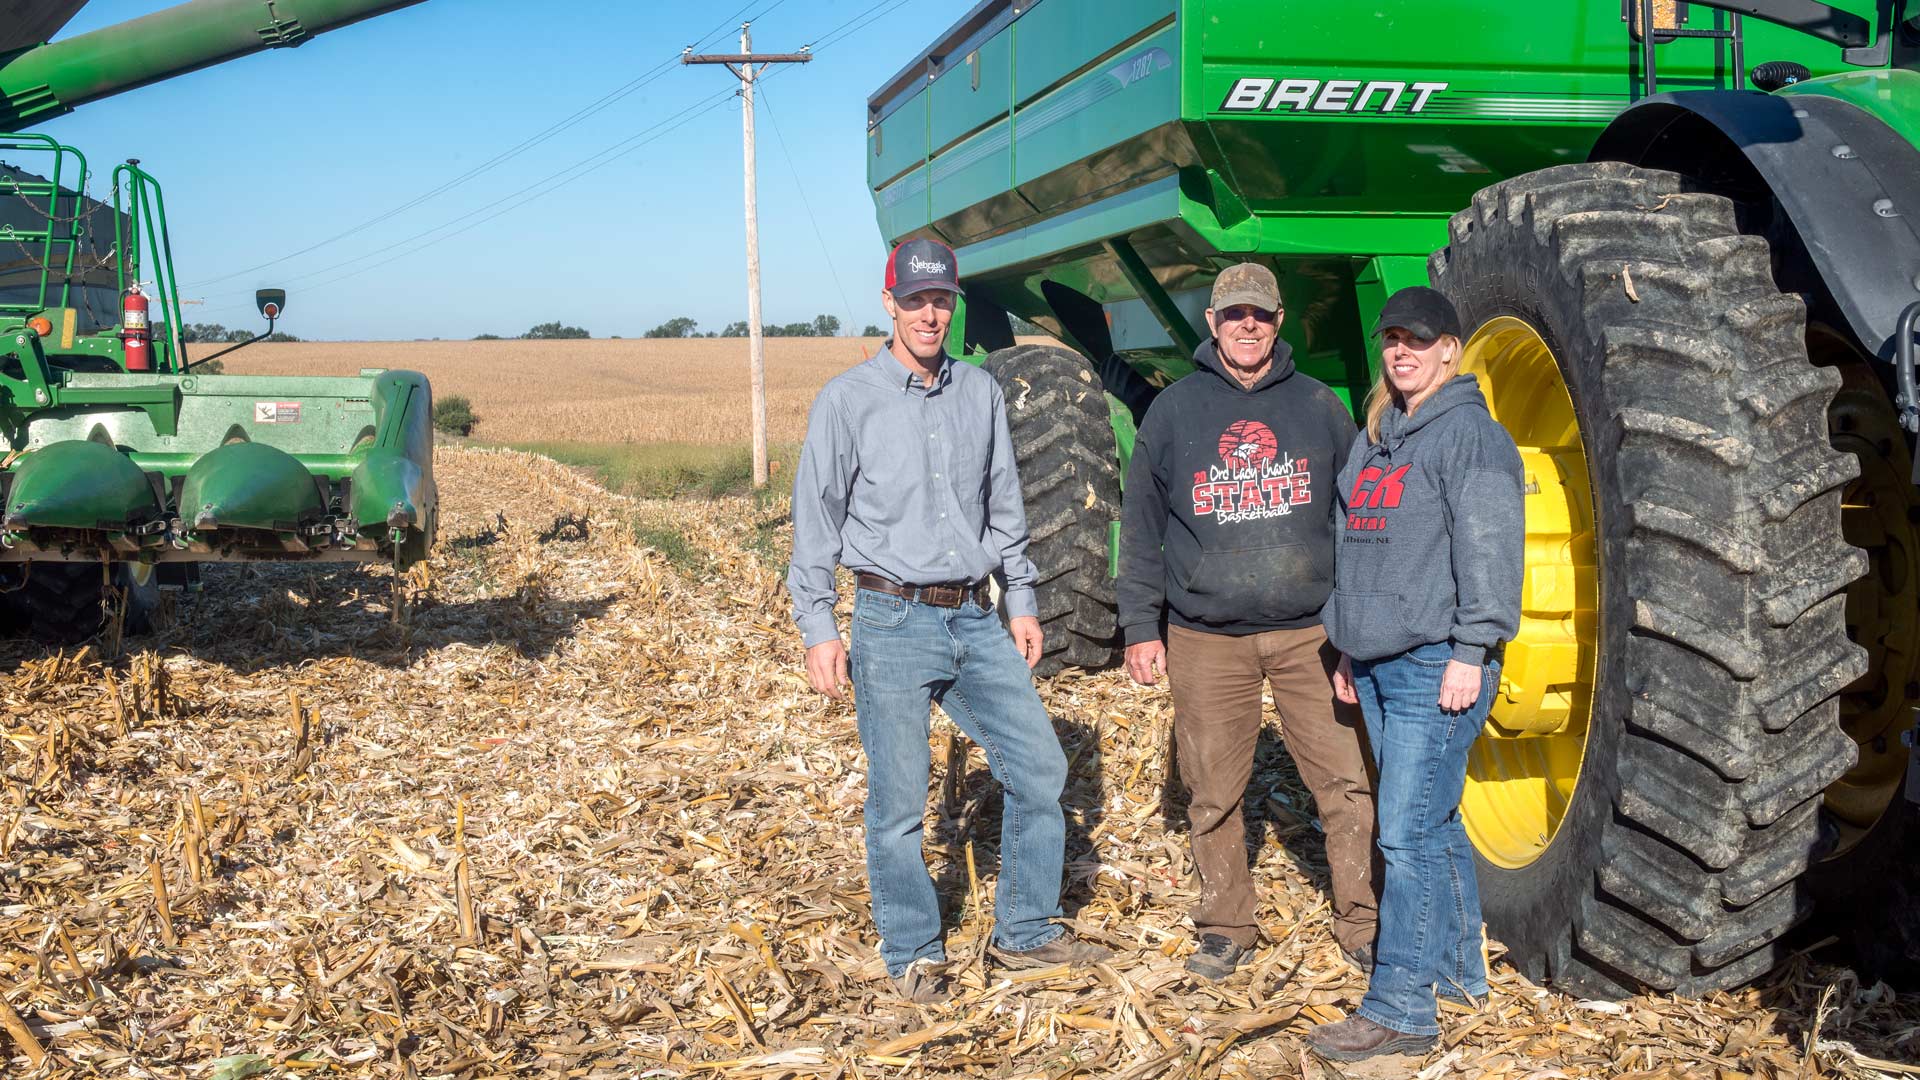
(1846, 185)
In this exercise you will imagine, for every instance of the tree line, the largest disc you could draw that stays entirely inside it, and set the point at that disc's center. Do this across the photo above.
(684, 327)
(201, 332)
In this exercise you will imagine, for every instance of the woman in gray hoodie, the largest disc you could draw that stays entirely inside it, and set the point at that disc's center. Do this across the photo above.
(1432, 530)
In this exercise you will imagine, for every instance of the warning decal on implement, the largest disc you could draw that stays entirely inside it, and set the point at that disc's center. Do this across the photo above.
(276, 412)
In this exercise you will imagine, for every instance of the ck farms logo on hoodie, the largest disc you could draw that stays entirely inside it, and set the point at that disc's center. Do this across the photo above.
(1375, 489)
(1254, 479)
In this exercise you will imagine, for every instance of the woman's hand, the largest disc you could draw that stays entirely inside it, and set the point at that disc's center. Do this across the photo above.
(1459, 686)
(1343, 681)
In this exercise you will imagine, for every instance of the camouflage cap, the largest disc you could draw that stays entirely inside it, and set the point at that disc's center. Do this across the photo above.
(1246, 283)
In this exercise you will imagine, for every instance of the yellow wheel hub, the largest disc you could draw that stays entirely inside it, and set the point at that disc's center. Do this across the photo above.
(1522, 771)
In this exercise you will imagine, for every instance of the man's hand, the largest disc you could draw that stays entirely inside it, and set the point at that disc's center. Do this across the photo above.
(1343, 681)
(1147, 661)
(1026, 637)
(1459, 686)
(827, 669)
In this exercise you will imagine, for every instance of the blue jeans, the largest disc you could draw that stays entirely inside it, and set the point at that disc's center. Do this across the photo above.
(905, 658)
(1429, 901)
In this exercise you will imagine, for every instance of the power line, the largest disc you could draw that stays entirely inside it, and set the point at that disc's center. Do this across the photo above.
(834, 36)
(615, 150)
(808, 205)
(593, 108)
(830, 39)
(710, 105)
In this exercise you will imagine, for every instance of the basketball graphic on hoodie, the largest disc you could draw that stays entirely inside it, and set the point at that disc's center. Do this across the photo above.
(1248, 444)
(1227, 525)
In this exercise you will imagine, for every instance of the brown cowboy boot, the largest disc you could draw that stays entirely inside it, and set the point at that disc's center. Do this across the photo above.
(1357, 1038)
(1065, 949)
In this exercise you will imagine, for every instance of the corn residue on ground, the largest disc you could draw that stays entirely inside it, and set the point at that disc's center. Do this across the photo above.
(576, 813)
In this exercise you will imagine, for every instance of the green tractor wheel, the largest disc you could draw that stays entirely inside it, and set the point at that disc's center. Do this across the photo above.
(1645, 798)
(1063, 441)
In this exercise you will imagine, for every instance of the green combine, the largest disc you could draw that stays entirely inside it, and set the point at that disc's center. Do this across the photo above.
(124, 465)
(1685, 238)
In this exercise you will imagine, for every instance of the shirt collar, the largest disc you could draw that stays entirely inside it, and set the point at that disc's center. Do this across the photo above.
(895, 373)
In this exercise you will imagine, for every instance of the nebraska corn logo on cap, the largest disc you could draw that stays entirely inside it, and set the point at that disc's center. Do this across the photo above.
(919, 265)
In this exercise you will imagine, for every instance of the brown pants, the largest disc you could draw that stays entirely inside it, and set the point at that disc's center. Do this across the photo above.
(1216, 720)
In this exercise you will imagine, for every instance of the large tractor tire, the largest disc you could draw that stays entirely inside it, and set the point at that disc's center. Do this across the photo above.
(1644, 803)
(64, 603)
(1057, 416)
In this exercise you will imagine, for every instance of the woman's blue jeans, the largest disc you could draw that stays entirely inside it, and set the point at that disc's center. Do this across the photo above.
(1429, 901)
(907, 657)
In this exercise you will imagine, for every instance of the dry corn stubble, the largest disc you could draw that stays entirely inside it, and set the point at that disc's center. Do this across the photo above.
(579, 815)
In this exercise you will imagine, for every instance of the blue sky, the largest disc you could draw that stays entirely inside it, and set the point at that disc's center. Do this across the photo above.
(276, 152)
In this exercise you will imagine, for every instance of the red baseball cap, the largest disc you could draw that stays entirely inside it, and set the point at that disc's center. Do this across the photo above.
(918, 265)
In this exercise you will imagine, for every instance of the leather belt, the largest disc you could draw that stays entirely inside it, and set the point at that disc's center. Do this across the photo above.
(950, 595)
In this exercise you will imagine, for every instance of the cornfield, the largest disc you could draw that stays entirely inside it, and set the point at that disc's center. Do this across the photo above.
(627, 391)
(576, 813)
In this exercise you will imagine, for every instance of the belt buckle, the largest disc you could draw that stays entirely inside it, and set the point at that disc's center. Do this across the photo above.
(943, 596)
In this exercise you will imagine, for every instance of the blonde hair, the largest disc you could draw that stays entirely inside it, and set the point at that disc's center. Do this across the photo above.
(1384, 396)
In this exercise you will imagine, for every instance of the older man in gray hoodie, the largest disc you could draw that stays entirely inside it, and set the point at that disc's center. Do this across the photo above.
(1227, 535)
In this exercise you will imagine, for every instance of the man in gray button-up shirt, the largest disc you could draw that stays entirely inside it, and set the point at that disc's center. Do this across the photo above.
(907, 478)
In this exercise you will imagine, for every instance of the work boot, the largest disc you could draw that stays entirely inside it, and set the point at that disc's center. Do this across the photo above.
(1216, 958)
(1065, 949)
(1361, 958)
(1357, 1038)
(924, 982)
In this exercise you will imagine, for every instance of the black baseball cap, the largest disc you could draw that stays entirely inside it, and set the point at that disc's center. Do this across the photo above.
(1427, 312)
(918, 265)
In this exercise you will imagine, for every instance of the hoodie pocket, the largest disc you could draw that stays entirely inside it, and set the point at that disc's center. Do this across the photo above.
(1368, 626)
(1276, 583)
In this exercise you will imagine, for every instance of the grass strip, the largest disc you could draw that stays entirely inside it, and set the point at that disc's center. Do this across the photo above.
(668, 470)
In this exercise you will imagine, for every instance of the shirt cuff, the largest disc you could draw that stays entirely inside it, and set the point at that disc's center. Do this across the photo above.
(1139, 632)
(1019, 602)
(817, 627)
(1470, 654)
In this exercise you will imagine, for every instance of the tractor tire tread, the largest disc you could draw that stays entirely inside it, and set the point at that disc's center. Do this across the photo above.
(1705, 427)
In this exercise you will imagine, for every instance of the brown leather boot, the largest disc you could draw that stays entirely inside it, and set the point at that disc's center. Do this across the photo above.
(1065, 949)
(1357, 1038)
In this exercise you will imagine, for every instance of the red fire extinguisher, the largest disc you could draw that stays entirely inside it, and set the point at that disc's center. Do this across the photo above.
(135, 335)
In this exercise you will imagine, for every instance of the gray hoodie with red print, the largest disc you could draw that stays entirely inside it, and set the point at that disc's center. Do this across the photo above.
(1433, 532)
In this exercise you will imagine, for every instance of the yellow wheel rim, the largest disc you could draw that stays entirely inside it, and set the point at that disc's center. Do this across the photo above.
(1523, 770)
(1877, 513)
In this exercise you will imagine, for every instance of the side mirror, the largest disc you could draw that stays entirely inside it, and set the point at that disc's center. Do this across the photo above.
(271, 302)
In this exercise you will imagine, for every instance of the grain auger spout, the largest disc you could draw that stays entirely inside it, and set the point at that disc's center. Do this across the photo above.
(39, 81)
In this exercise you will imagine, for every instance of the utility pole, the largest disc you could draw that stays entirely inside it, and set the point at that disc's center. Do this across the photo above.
(747, 66)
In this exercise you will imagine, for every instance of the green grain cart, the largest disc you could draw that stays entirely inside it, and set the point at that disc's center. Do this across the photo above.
(1685, 238)
(122, 466)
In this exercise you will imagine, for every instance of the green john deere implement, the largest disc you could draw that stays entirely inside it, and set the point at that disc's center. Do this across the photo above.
(124, 466)
(162, 466)
(1685, 238)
